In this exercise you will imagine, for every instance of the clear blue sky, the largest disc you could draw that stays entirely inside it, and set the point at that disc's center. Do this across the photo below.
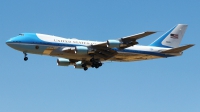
(39, 85)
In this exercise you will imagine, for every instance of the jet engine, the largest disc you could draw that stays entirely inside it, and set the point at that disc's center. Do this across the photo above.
(63, 62)
(81, 50)
(113, 43)
(78, 65)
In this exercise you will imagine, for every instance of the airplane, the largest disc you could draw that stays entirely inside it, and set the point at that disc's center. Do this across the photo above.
(83, 54)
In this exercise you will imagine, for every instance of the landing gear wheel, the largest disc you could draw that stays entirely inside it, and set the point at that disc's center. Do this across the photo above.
(96, 66)
(85, 68)
(95, 63)
(25, 58)
(92, 66)
(100, 64)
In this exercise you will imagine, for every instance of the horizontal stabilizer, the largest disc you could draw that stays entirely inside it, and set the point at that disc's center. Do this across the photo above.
(178, 49)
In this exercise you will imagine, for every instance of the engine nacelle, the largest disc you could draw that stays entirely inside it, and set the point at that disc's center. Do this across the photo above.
(81, 50)
(113, 43)
(63, 62)
(78, 65)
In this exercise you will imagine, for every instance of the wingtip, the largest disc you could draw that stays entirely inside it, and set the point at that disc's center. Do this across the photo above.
(192, 45)
(151, 32)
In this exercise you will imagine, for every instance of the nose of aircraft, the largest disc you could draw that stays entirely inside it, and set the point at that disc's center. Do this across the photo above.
(18, 42)
(12, 42)
(9, 42)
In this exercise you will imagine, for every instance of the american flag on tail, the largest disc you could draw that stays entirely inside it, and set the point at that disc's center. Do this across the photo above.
(174, 36)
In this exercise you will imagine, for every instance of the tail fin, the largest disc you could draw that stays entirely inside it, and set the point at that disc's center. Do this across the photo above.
(172, 38)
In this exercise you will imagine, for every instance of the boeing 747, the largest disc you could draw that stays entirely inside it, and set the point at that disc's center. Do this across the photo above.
(83, 54)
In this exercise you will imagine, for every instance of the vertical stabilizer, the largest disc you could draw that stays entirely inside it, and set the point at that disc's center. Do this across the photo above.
(172, 38)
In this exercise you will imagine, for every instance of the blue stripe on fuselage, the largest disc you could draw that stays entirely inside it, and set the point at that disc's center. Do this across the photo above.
(142, 52)
(146, 52)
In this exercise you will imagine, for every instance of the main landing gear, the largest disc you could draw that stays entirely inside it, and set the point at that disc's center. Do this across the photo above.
(95, 63)
(25, 56)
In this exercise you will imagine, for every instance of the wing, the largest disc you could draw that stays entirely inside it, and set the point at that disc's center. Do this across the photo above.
(126, 41)
(101, 52)
(105, 53)
(137, 36)
(107, 50)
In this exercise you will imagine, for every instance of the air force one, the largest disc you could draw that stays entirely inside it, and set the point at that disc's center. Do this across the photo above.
(83, 54)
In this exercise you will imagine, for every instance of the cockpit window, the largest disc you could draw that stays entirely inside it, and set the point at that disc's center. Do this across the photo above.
(21, 34)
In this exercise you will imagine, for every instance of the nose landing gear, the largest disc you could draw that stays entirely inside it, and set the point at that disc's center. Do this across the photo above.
(25, 56)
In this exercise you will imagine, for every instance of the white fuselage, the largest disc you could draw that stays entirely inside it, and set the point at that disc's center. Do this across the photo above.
(53, 46)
